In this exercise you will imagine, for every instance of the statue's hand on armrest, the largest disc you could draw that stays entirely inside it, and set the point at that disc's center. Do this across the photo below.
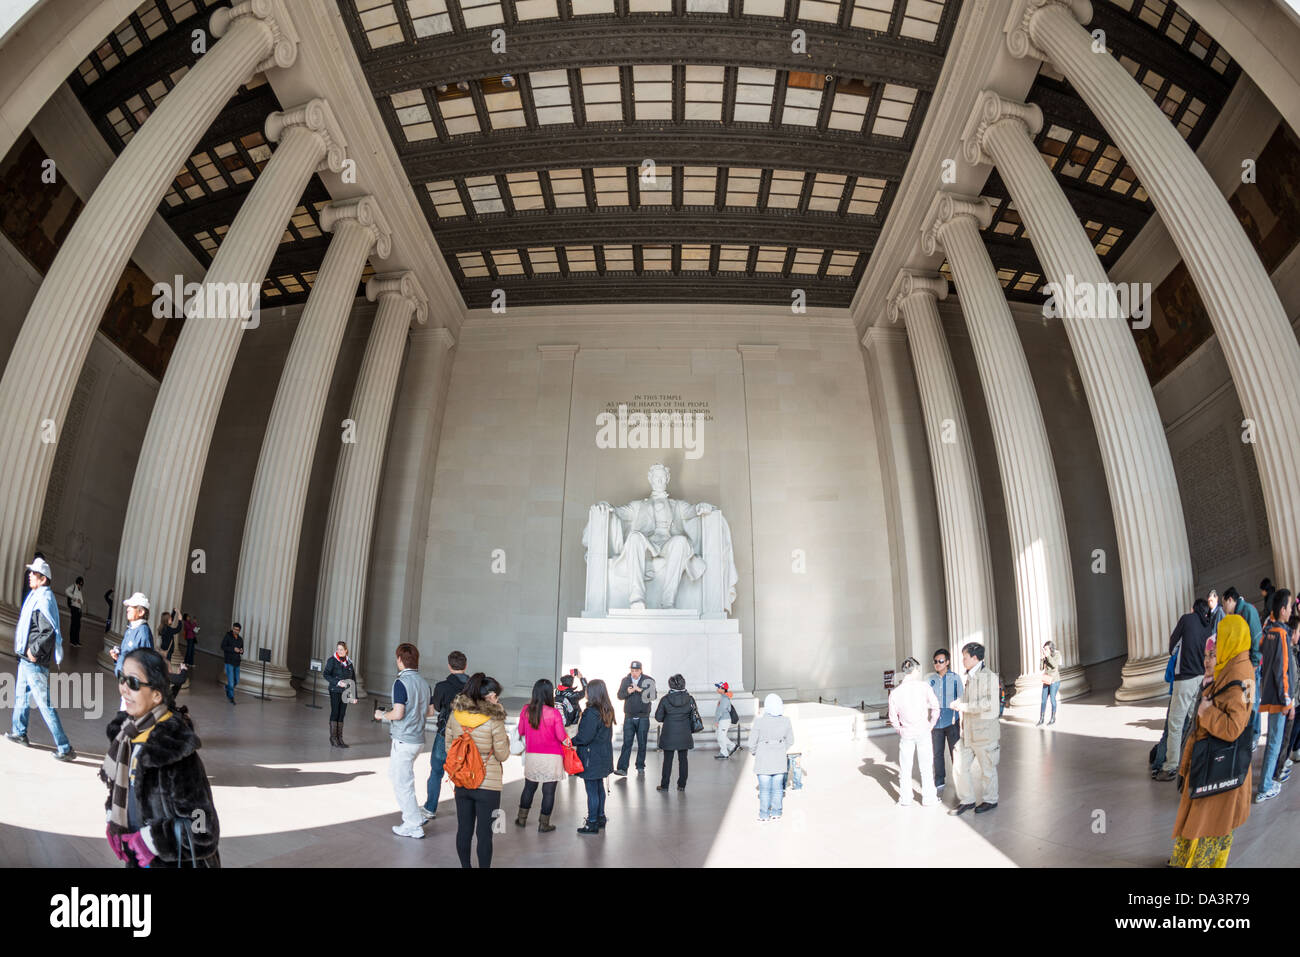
(704, 508)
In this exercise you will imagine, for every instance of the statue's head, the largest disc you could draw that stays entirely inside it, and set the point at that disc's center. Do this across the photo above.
(659, 475)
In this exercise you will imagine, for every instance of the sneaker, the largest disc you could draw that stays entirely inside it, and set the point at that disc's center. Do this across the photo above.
(426, 815)
(18, 739)
(906, 804)
(720, 757)
(775, 817)
(960, 809)
(763, 820)
(1164, 775)
(620, 773)
(1282, 778)
(661, 787)
(1288, 764)
(68, 755)
(986, 806)
(1272, 792)
(589, 829)
(401, 831)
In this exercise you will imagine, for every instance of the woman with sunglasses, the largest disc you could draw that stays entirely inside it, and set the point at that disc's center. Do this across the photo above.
(159, 808)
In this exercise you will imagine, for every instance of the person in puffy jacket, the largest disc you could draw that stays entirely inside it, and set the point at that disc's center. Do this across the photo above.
(595, 745)
(542, 728)
(675, 735)
(338, 669)
(478, 711)
(769, 739)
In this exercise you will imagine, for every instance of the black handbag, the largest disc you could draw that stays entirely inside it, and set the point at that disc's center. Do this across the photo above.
(697, 723)
(1218, 766)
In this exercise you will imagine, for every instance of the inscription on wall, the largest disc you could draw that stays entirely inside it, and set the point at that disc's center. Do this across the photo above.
(1213, 504)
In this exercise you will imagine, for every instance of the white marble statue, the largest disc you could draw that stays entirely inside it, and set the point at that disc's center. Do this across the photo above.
(661, 538)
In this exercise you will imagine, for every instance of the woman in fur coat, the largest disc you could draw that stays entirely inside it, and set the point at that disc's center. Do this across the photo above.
(159, 807)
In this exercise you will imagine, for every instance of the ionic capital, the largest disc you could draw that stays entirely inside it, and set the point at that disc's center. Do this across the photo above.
(989, 110)
(910, 283)
(316, 116)
(404, 285)
(365, 211)
(274, 13)
(1019, 28)
(944, 208)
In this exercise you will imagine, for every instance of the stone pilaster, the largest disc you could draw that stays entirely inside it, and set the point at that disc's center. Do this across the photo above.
(55, 338)
(1248, 317)
(160, 512)
(1039, 543)
(1154, 559)
(345, 562)
(967, 569)
(273, 523)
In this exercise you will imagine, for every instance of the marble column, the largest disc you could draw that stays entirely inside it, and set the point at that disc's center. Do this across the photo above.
(154, 553)
(1247, 314)
(273, 523)
(55, 338)
(345, 561)
(916, 559)
(967, 569)
(1036, 521)
(396, 587)
(1154, 559)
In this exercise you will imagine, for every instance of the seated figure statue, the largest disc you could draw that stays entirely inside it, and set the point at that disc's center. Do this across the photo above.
(659, 537)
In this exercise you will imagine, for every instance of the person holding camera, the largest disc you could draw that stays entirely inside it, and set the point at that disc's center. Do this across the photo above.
(337, 670)
(567, 698)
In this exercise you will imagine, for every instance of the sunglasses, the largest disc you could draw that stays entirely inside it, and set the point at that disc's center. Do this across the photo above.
(132, 682)
(940, 661)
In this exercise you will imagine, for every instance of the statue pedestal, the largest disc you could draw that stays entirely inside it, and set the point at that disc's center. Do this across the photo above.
(666, 641)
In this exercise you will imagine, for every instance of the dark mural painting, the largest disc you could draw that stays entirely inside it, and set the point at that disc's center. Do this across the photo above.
(36, 216)
(1269, 212)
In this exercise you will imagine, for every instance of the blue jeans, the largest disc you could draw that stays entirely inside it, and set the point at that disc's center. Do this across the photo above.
(232, 679)
(1276, 722)
(34, 678)
(771, 791)
(439, 756)
(1049, 691)
(595, 799)
(638, 727)
(1254, 718)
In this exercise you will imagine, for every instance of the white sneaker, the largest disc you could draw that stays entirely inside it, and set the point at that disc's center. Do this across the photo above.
(401, 831)
(906, 804)
(1289, 763)
(1268, 795)
(426, 815)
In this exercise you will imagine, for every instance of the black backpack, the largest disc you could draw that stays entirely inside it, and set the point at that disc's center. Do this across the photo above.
(1217, 765)
(569, 709)
(735, 718)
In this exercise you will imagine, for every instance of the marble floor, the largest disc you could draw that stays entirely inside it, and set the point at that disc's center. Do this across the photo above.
(1076, 794)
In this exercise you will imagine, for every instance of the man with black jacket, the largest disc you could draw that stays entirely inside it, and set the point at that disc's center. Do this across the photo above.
(636, 691)
(232, 647)
(38, 644)
(444, 693)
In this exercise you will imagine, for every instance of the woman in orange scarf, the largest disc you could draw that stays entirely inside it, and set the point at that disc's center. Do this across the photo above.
(1204, 827)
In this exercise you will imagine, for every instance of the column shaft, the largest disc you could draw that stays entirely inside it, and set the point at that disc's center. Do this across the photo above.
(968, 571)
(1154, 559)
(1036, 521)
(55, 338)
(273, 524)
(1244, 307)
(345, 562)
(160, 512)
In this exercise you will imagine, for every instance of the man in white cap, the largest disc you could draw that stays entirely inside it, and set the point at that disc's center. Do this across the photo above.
(37, 643)
(137, 633)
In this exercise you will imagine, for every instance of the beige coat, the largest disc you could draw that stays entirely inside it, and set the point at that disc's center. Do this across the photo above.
(1218, 815)
(486, 723)
(978, 705)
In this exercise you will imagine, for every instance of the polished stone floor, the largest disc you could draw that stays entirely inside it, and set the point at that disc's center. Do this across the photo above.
(1076, 794)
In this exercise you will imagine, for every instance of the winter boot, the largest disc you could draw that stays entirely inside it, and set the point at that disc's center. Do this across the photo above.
(334, 734)
(522, 818)
(544, 824)
(338, 736)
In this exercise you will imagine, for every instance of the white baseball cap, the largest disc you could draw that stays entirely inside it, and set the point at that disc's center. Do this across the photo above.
(41, 567)
(138, 600)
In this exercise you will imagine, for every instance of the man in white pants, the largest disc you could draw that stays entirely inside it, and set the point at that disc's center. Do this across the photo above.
(412, 707)
(913, 711)
(723, 718)
(980, 734)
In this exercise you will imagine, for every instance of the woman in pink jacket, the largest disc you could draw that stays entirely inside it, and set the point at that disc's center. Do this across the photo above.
(542, 728)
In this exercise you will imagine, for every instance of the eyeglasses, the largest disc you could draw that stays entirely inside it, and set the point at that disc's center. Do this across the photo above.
(132, 682)
(940, 661)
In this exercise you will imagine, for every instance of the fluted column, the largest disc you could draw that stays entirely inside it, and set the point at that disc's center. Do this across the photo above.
(967, 570)
(345, 559)
(160, 512)
(273, 523)
(55, 338)
(1154, 559)
(1248, 317)
(1036, 521)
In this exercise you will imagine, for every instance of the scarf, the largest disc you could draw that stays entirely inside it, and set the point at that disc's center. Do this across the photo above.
(42, 600)
(343, 661)
(116, 770)
(1233, 638)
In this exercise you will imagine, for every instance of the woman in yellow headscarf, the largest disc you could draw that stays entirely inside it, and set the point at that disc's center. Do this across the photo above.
(1203, 829)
